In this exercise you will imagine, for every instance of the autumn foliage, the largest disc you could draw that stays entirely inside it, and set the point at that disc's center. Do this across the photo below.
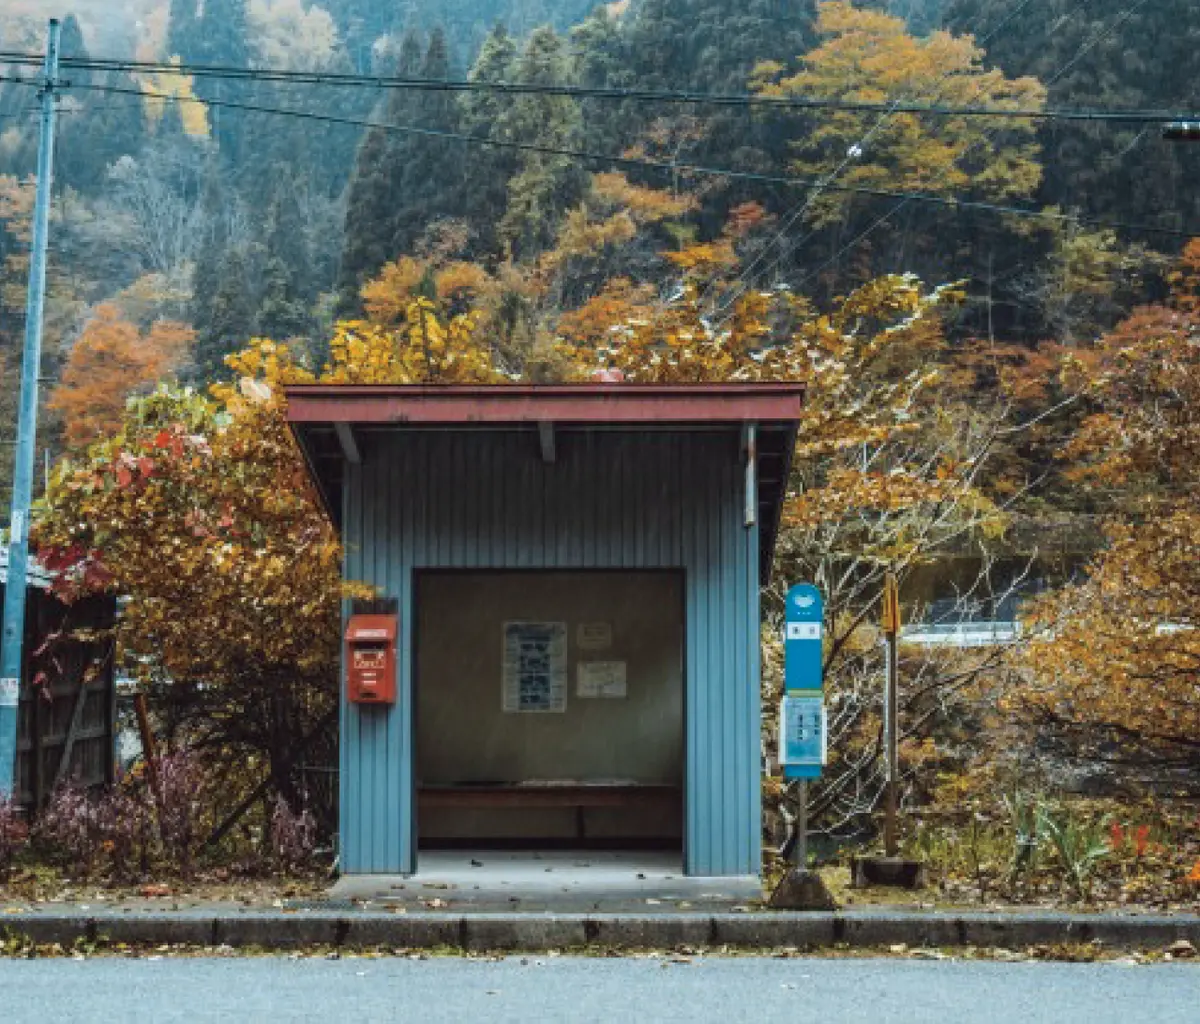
(1117, 669)
(111, 360)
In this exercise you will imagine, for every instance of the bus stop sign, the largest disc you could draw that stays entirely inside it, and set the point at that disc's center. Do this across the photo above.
(802, 727)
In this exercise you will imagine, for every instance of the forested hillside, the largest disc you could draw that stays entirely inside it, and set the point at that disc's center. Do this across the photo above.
(218, 204)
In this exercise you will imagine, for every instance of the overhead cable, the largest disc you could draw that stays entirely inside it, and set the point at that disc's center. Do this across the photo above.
(631, 162)
(691, 98)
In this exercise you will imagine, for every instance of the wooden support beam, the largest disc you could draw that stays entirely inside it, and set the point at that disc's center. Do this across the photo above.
(349, 443)
(547, 441)
(64, 762)
(750, 447)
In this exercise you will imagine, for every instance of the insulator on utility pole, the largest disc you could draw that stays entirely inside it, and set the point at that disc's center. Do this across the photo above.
(1182, 131)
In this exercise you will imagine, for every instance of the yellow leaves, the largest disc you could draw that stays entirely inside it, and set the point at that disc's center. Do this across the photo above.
(161, 88)
(644, 205)
(708, 258)
(422, 350)
(868, 56)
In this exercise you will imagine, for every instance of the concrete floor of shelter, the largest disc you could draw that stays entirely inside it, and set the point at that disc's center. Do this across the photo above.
(564, 881)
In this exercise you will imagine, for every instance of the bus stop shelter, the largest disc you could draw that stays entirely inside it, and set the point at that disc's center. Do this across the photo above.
(575, 575)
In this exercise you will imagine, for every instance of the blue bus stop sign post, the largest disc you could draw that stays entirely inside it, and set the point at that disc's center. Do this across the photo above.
(802, 736)
(803, 726)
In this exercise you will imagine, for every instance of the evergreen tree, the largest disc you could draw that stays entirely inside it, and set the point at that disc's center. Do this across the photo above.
(601, 55)
(545, 185)
(374, 188)
(230, 321)
(431, 168)
(206, 275)
(224, 39)
(713, 46)
(287, 270)
(1105, 55)
(184, 36)
(489, 167)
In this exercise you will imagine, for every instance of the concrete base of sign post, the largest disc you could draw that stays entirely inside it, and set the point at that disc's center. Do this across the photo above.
(802, 890)
(892, 872)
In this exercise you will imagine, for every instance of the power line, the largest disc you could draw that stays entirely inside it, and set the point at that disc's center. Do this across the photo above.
(631, 162)
(684, 97)
(796, 213)
(1086, 48)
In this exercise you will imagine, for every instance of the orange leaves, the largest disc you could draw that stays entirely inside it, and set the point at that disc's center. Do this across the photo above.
(111, 360)
(645, 205)
(1185, 279)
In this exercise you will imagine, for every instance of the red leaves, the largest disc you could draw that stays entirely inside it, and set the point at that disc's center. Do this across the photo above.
(57, 560)
(1139, 838)
(1116, 837)
(1141, 841)
(129, 470)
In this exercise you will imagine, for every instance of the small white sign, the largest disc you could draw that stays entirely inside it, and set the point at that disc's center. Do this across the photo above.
(602, 680)
(804, 631)
(594, 636)
(10, 693)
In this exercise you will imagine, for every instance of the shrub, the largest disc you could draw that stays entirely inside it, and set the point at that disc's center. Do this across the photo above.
(181, 799)
(293, 836)
(68, 827)
(14, 833)
(92, 832)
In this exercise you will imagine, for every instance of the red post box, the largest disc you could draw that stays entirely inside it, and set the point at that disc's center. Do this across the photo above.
(371, 659)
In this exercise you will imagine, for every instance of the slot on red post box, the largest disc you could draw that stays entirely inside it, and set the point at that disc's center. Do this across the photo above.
(371, 659)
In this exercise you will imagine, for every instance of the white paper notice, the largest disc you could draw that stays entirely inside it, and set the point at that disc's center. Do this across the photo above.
(10, 693)
(602, 680)
(594, 636)
(535, 667)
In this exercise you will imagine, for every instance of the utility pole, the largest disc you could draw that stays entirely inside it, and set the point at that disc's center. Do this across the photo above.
(12, 640)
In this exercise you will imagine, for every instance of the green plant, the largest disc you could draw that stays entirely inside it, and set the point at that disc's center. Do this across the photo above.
(1025, 812)
(1079, 844)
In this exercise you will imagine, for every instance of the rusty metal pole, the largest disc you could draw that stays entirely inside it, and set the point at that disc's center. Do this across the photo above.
(891, 714)
(150, 755)
(149, 752)
(891, 839)
(800, 849)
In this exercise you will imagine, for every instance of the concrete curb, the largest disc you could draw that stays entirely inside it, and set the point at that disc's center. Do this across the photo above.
(533, 932)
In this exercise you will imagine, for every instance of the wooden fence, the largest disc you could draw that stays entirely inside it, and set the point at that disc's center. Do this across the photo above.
(67, 716)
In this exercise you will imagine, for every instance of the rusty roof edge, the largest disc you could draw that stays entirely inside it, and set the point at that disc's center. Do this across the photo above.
(583, 403)
(628, 387)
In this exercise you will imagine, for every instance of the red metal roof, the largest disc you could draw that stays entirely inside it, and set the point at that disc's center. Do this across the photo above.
(566, 404)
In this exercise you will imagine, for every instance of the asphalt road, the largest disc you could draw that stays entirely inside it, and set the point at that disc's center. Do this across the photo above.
(609, 990)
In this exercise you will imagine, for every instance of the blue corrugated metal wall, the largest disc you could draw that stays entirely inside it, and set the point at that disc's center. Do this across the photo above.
(611, 500)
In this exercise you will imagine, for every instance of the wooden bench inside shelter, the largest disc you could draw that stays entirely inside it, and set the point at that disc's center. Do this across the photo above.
(553, 794)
